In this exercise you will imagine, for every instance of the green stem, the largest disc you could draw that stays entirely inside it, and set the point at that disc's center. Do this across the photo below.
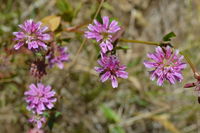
(189, 62)
(138, 41)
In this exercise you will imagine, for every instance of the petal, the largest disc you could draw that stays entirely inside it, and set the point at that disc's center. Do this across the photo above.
(105, 76)
(114, 81)
(168, 52)
(154, 57)
(113, 27)
(160, 81)
(60, 65)
(122, 74)
(44, 37)
(109, 45)
(18, 45)
(42, 44)
(41, 106)
(50, 106)
(103, 47)
(98, 69)
(149, 64)
(105, 21)
(40, 86)
(39, 124)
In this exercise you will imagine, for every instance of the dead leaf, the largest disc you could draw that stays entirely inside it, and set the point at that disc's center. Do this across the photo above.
(52, 22)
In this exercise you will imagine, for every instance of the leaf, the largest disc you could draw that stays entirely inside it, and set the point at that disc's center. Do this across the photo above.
(52, 22)
(169, 36)
(163, 119)
(46, 114)
(116, 129)
(109, 113)
(57, 114)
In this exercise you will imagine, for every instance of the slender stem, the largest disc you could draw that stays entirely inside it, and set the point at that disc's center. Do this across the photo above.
(189, 62)
(85, 39)
(142, 42)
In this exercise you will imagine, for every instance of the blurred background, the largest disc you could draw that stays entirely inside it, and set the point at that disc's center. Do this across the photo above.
(85, 104)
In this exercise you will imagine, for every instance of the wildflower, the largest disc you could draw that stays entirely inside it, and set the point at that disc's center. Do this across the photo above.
(111, 69)
(38, 120)
(166, 64)
(103, 33)
(32, 34)
(40, 98)
(58, 56)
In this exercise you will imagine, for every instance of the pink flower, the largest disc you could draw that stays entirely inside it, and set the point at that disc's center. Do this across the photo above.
(38, 120)
(111, 69)
(40, 98)
(58, 56)
(166, 64)
(32, 34)
(103, 33)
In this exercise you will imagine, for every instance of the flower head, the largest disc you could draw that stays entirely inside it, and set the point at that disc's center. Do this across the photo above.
(32, 34)
(38, 120)
(103, 33)
(58, 56)
(166, 64)
(40, 98)
(111, 69)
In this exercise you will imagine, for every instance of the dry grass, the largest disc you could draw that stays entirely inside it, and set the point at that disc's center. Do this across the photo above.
(142, 106)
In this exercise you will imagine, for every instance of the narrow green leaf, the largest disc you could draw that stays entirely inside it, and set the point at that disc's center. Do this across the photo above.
(57, 114)
(46, 114)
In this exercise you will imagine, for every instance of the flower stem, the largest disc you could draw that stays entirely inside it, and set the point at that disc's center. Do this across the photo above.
(189, 62)
(85, 39)
(141, 42)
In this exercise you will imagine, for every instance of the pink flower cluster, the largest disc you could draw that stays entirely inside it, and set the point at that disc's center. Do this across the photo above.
(57, 56)
(166, 64)
(110, 67)
(32, 34)
(39, 98)
(103, 33)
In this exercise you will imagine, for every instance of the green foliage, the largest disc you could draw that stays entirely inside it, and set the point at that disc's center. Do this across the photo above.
(109, 114)
(66, 10)
(116, 129)
(168, 36)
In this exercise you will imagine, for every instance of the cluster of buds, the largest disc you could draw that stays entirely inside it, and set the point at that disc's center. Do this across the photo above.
(38, 69)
